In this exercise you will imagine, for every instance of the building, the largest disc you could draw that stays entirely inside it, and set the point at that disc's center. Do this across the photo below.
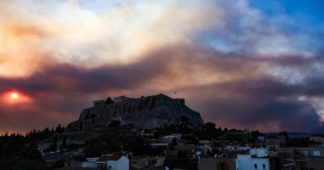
(261, 138)
(148, 163)
(114, 161)
(160, 144)
(147, 134)
(235, 135)
(237, 148)
(90, 163)
(216, 164)
(317, 139)
(256, 160)
(171, 137)
(309, 158)
(287, 165)
(247, 162)
(99, 103)
(121, 99)
(275, 142)
(302, 158)
(187, 147)
(259, 152)
(204, 142)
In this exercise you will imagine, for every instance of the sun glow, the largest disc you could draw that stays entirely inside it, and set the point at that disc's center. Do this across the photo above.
(14, 95)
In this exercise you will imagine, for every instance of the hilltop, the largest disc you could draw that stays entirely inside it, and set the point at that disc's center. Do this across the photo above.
(144, 112)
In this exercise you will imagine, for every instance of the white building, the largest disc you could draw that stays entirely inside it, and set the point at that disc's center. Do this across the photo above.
(90, 163)
(204, 142)
(261, 138)
(147, 134)
(172, 136)
(237, 148)
(259, 152)
(160, 144)
(108, 162)
(256, 160)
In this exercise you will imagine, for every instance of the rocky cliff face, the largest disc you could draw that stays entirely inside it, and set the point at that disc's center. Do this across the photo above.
(145, 112)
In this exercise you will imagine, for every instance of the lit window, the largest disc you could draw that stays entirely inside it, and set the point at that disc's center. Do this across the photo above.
(317, 153)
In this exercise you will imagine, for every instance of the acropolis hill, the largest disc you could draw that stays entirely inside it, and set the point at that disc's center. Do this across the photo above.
(144, 112)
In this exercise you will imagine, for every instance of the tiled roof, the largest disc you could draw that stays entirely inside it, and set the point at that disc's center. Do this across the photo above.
(109, 158)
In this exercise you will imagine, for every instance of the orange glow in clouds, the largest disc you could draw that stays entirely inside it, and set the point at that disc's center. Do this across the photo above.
(14, 95)
(15, 98)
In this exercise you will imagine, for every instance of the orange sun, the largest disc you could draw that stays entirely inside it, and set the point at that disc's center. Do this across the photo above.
(14, 95)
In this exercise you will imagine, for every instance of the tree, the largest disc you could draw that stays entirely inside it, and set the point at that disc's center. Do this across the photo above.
(298, 142)
(136, 145)
(55, 140)
(64, 142)
(109, 101)
(59, 128)
(285, 134)
(17, 153)
(210, 126)
(92, 117)
(174, 141)
(53, 146)
(184, 119)
(98, 146)
(114, 124)
(255, 134)
(31, 152)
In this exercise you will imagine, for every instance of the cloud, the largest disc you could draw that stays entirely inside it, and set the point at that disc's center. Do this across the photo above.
(232, 90)
(250, 30)
(263, 103)
(67, 32)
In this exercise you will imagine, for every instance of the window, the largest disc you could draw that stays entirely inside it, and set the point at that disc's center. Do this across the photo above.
(255, 166)
(264, 166)
(316, 153)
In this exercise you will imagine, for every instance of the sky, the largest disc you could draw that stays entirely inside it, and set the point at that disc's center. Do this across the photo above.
(241, 63)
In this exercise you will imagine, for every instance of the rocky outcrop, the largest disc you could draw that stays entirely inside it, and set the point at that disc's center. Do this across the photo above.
(145, 112)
